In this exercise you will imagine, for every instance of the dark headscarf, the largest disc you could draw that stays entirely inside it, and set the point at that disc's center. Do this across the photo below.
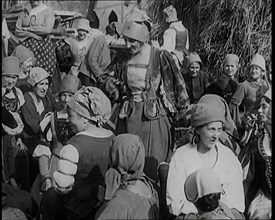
(127, 157)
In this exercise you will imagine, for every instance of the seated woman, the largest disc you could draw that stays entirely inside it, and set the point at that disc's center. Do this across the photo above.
(204, 150)
(197, 81)
(129, 193)
(256, 159)
(78, 183)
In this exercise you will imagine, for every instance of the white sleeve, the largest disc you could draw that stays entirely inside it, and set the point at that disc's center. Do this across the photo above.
(169, 40)
(175, 195)
(67, 168)
(233, 184)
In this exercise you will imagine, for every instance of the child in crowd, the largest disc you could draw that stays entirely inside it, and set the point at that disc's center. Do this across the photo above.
(227, 83)
(203, 188)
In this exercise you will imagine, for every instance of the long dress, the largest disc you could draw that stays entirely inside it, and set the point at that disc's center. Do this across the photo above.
(151, 100)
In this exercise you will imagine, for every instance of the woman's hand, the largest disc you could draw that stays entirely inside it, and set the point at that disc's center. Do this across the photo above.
(22, 146)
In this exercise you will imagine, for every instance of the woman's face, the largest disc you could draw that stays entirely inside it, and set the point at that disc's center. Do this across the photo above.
(133, 45)
(230, 69)
(9, 81)
(194, 69)
(263, 110)
(41, 88)
(255, 72)
(65, 97)
(76, 120)
(82, 34)
(209, 133)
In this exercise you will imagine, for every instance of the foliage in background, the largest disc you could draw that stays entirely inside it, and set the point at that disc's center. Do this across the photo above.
(218, 27)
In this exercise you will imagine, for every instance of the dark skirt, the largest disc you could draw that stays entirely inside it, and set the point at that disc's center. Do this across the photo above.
(156, 136)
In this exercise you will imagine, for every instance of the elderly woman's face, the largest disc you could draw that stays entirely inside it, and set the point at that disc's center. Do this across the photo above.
(256, 72)
(194, 69)
(41, 88)
(209, 133)
(9, 81)
(133, 45)
(263, 110)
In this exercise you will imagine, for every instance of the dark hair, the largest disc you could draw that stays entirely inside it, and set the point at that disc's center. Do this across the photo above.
(209, 202)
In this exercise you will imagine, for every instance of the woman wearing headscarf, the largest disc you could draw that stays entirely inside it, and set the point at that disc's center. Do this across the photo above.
(250, 91)
(37, 105)
(129, 193)
(78, 183)
(197, 81)
(256, 160)
(204, 150)
(154, 91)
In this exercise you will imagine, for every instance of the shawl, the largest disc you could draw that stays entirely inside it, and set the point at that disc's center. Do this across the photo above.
(127, 158)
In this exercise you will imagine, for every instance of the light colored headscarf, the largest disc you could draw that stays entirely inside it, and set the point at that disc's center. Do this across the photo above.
(91, 103)
(127, 158)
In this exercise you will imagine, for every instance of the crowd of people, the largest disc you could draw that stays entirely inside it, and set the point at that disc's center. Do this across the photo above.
(130, 129)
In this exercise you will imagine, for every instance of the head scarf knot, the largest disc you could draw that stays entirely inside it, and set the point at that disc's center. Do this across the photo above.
(91, 103)
(127, 157)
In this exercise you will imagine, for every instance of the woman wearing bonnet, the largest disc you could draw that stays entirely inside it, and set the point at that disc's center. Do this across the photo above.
(78, 183)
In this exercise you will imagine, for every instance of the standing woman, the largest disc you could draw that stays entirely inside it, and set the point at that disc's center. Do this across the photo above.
(37, 104)
(249, 92)
(256, 159)
(155, 91)
(33, 27)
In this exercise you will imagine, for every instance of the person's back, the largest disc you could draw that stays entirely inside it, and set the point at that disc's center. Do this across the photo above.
(129, 193)
(135, 202)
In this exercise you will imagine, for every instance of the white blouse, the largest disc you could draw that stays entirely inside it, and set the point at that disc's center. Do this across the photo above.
(186, 160)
